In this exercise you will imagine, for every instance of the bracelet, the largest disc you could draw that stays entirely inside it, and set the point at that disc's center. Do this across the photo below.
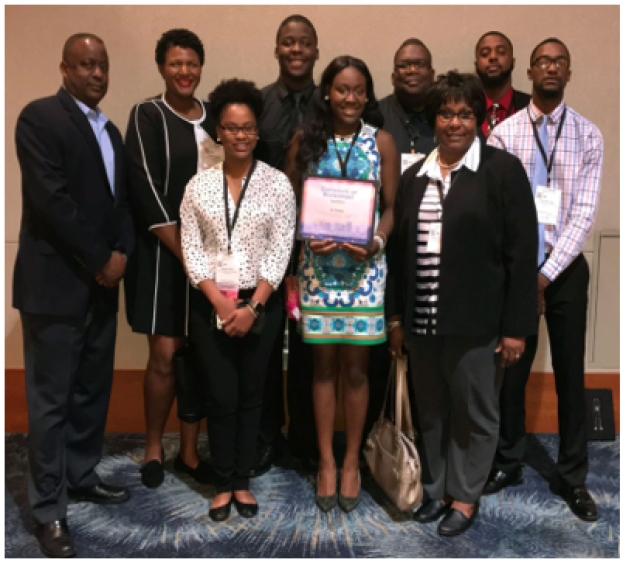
(381, 242)
(253, 312)
(392, 325)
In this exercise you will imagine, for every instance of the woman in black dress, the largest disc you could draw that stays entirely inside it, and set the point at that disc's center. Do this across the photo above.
(169, 139)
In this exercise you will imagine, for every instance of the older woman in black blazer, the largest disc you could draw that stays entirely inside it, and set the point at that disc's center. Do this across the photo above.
(461, 295)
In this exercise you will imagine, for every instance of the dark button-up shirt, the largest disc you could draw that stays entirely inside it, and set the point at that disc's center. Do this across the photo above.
(410, 130)
(276, 127)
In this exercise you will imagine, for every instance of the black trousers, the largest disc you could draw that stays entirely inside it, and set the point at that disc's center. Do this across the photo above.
(566, 303)
(302, 438)
(233, 371)
(273, 409)
(69, 367)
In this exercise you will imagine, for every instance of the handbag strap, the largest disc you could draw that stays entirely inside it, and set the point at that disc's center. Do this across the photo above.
(403, 405)
(390, 379)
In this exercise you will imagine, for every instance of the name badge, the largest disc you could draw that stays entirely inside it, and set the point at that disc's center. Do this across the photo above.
(434, 238)
(227, 275)
(547, 201)
(409, 159)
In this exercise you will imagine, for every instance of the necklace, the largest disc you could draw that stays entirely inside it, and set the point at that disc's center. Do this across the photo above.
(447, 166)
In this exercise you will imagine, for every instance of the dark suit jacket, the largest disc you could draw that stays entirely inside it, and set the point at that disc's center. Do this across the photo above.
(71, 221)
(520, 100)
(488, 270)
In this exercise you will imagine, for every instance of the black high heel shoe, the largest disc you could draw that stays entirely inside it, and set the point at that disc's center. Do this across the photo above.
(222, 512)
(347, 504)
(246, 510)
(325, 503)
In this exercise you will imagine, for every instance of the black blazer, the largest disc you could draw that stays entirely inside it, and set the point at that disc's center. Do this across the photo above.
(71, 221)
(488, 270)
(520, 100)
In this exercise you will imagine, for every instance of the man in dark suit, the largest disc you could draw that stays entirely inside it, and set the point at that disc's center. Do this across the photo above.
(494, 65)
(75, 233)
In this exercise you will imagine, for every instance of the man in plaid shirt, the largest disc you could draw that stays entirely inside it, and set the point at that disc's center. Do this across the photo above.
(562, 153)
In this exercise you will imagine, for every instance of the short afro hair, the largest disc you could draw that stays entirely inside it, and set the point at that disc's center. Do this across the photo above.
(235, 91)
(297, 18)
(544, 42)
(456, 87)
(418, 43)
(496, 33)
(178, 38)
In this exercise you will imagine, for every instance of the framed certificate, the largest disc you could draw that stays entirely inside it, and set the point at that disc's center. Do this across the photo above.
(338, 208)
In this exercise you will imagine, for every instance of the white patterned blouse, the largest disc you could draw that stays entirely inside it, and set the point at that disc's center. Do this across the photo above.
(263, 234)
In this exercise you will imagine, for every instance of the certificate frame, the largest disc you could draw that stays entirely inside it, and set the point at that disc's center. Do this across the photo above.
(340, 209)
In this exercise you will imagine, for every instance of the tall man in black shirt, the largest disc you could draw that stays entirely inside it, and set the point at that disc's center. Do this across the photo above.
(287, 103)
(403, 112)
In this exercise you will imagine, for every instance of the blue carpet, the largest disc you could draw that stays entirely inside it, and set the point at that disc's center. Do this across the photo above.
(172, 521)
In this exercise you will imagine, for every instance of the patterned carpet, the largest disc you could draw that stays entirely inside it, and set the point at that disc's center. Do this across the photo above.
(172, 521)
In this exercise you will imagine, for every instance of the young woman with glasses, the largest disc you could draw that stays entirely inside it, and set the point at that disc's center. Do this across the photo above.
(238, 222)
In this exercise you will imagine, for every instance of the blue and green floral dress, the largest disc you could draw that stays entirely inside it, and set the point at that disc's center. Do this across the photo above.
(342, 299)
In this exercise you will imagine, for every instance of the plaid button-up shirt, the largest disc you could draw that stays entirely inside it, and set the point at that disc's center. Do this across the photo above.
(577, 171)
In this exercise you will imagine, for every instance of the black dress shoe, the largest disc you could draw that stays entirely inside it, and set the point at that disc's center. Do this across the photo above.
(203, 473)
(222, 512)
(100, 494)
(429, 511)
(580, 502)
(246, 510)
(455, 522)
(498, 480)
(152, 473)
(54, 539)
(267, 454)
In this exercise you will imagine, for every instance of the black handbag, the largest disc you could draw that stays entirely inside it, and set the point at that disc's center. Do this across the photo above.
(191, 404)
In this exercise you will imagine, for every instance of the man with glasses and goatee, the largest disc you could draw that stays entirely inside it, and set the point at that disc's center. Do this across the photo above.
(562, 153)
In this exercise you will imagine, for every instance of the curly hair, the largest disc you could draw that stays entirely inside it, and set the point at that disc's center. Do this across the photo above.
(178, 38)
(313, 140)
(235, 91)
(456, 87)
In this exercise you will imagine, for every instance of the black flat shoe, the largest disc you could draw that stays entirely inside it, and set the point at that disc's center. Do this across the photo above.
(579, 501)
(202, 473)
(54, 539)
(455, 522)
(222, 512)
(499, 480)
(100, 494)
(246, 510)
(152, 473)
(430, 511)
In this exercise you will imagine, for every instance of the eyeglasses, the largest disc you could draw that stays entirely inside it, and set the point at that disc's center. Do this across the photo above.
(420, 64)
(247, 129)
(544, 62)
(465, 117)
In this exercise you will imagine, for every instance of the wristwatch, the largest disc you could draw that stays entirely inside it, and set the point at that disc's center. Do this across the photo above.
(257, 307)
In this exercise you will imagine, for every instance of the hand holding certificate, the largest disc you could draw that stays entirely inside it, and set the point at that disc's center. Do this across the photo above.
(338, 209)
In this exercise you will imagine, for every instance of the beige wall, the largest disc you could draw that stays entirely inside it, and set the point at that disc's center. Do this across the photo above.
(239, 41)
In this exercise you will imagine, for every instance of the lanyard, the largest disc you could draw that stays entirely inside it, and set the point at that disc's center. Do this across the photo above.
(549, 163)
(230, 228)
(344, 163)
